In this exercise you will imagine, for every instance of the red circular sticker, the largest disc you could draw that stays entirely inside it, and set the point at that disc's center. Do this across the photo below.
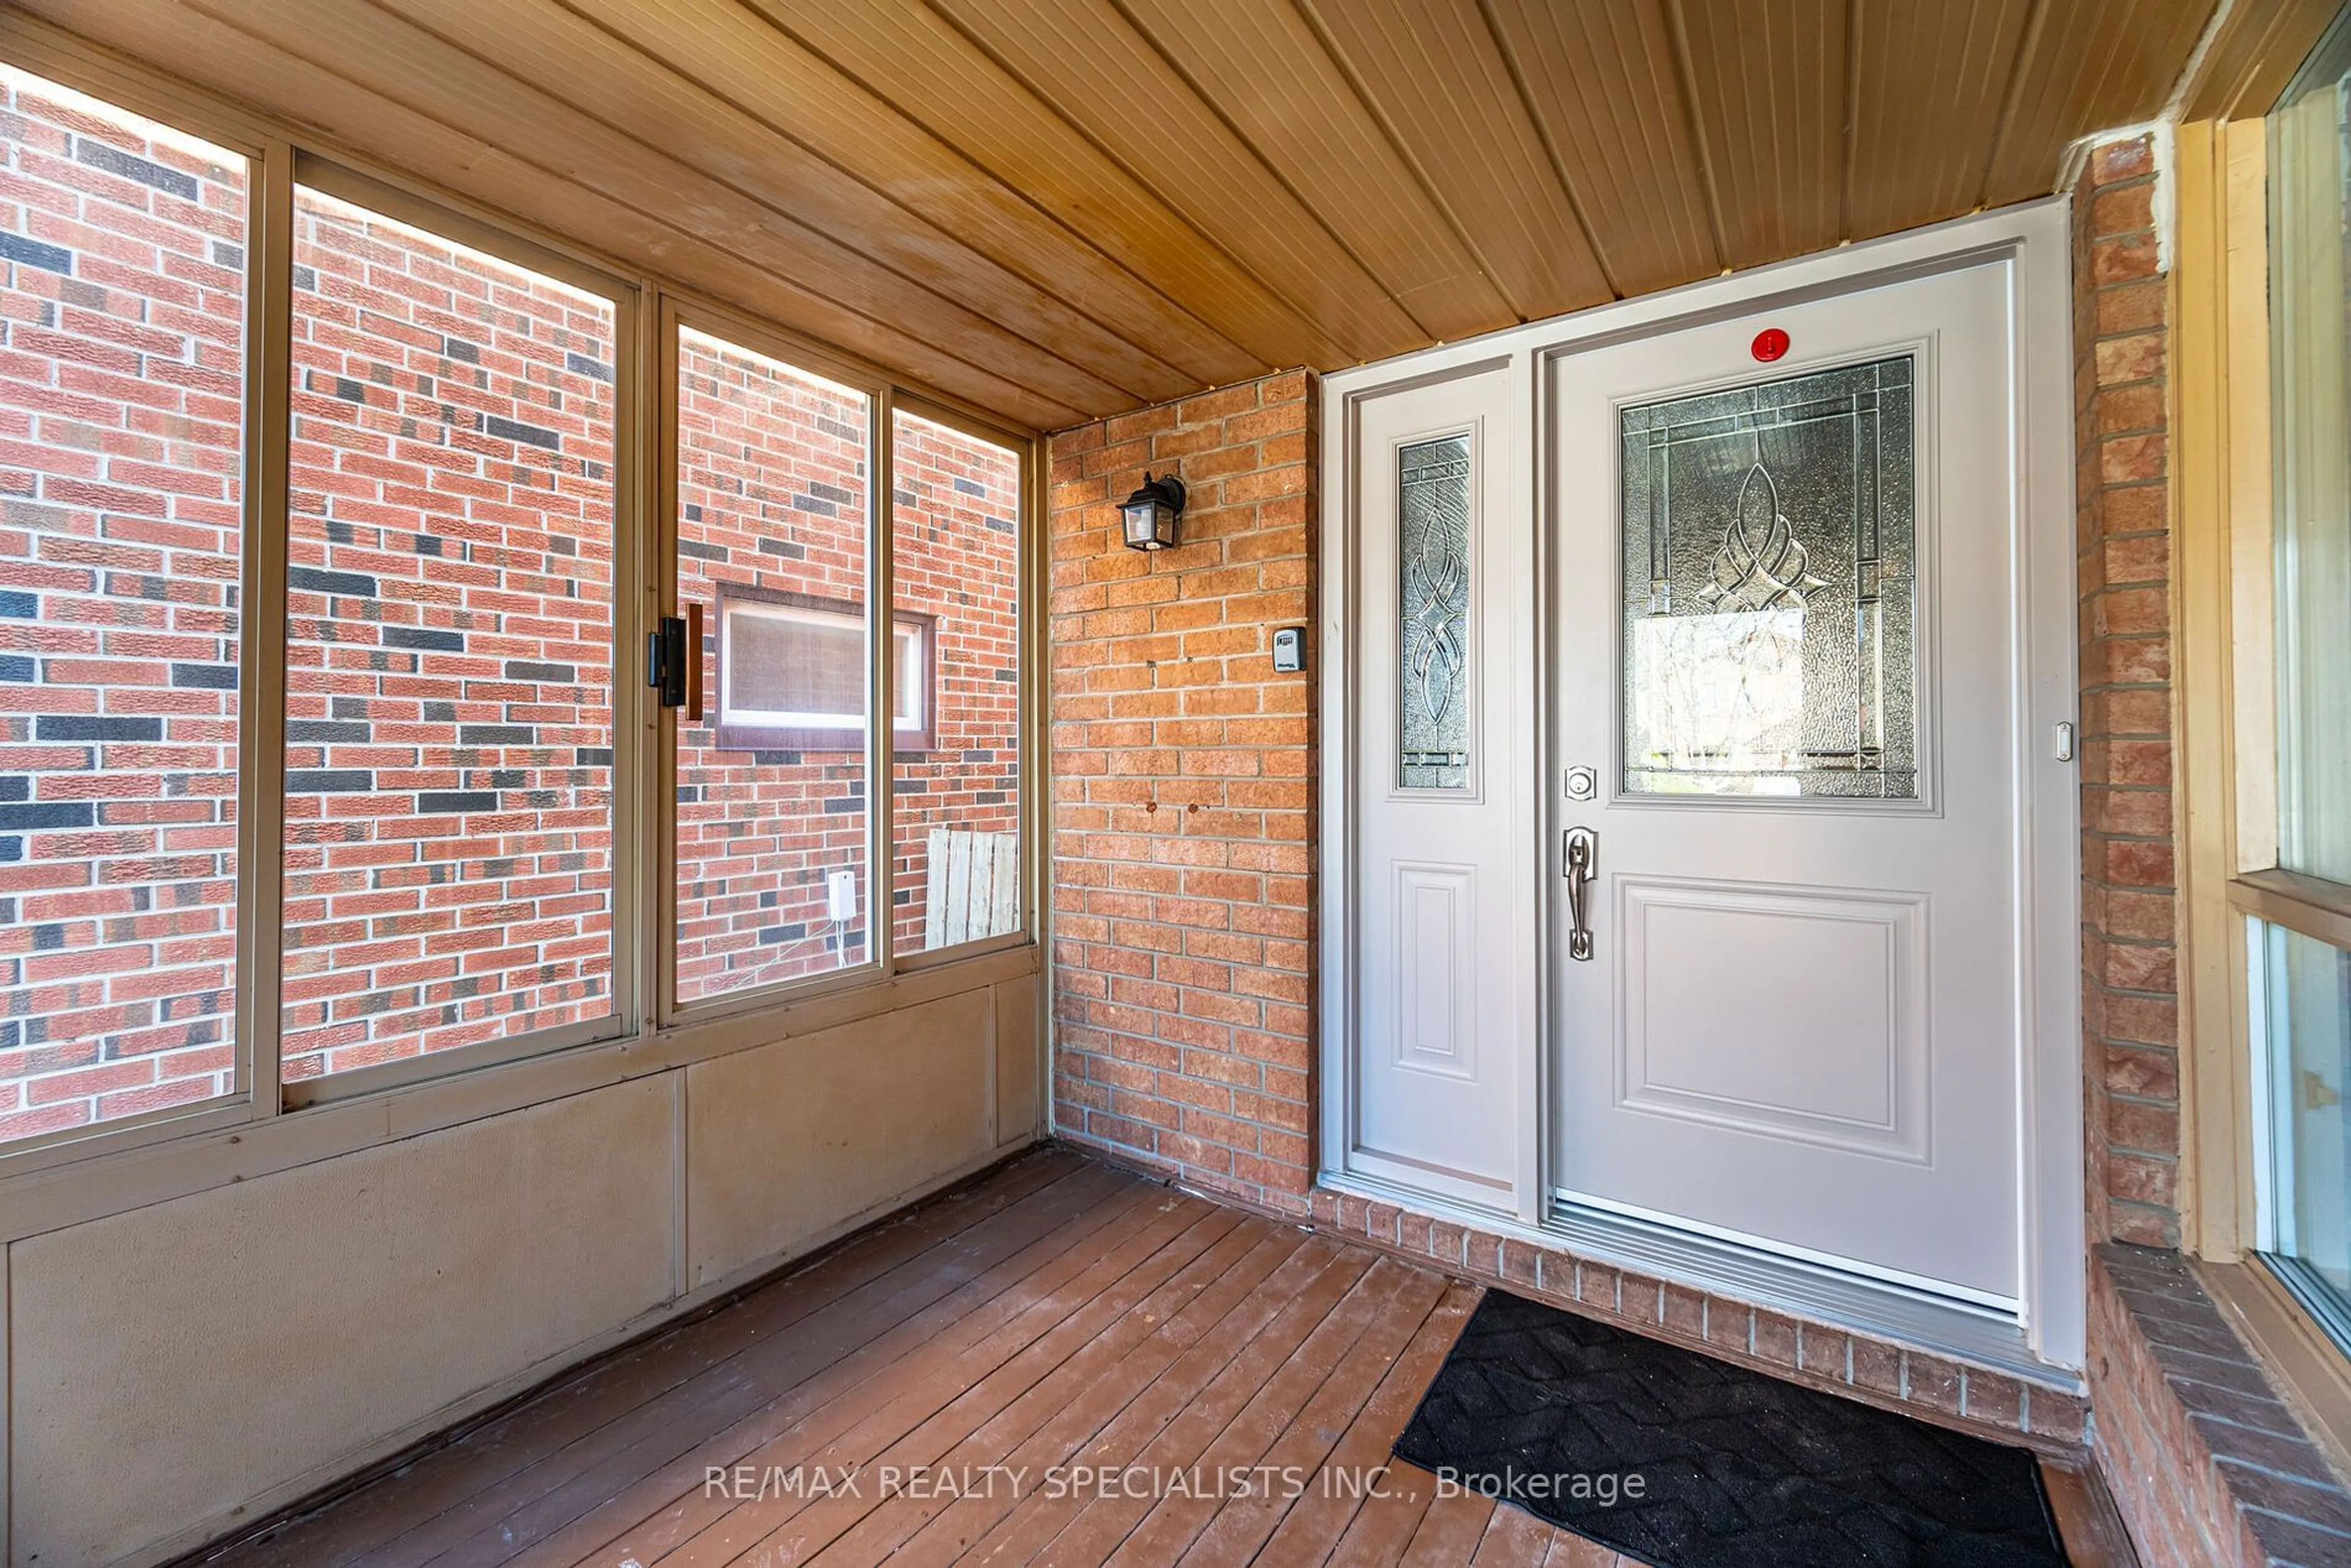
(1770, 344)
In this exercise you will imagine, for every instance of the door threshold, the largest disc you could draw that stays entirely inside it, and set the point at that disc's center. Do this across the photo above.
(1872, 1309)
(1876, 1308)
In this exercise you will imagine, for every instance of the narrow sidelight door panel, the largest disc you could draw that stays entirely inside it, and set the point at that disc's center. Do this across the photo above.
(1445, 604)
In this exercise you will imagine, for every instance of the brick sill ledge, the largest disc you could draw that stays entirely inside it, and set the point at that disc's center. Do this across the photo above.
(2207, 1464)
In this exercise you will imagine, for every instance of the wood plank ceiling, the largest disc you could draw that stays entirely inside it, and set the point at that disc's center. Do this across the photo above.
(1057, 209)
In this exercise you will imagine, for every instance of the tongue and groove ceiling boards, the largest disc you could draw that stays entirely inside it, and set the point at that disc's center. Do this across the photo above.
(1058, 209)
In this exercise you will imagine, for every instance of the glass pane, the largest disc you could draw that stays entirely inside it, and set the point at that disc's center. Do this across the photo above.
(1769, 595)
(955, 837)
(2311, 195)
(771, 815)
(122, 249)
(1433, 613)
(2305, 988)
(449, 649)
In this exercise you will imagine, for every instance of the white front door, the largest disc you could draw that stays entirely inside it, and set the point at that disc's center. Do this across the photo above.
(1788, 976)
(1760, 592)
(1443, 785)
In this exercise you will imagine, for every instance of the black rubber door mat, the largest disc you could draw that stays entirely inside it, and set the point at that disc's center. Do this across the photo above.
(1684, 1461)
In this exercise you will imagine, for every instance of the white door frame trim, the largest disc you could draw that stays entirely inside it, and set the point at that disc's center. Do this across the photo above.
(2034, 241)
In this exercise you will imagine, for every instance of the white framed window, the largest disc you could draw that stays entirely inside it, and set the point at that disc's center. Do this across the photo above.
(2299, 912)
(792, 672)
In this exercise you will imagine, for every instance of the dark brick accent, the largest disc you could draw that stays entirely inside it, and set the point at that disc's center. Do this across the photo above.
(328, 782)
(32, 252)
(146, 171)
(309, 579)
(77, 727)
(515, 430)
(1931, 1388)
(442, 802)
(423, 637)
(57, 814)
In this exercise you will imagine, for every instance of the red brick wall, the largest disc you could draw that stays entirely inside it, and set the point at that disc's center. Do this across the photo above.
(449, 657)
(121, 370)
(2130, 993)
(1183, 795)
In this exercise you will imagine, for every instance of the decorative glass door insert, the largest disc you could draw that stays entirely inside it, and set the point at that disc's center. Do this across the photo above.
(1770, 589)
(1433, 570)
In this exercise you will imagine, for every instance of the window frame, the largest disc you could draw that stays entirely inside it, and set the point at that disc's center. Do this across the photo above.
(1033, 581)
(260, 713)
(2230, 882)
(885, 964)
(81, 1173)
(2270, 898)
(383, 199)
(738, 330)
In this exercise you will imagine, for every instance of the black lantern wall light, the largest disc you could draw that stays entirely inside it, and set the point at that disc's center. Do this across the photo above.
(1153, 512)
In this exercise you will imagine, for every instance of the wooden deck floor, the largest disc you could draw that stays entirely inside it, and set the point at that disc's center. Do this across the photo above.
(1058, 1315)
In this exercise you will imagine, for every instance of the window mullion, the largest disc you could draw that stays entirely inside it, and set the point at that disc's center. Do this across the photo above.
(261, 804)
(660, 597)
(633, 781)
(1033, 770)
(2313, 906)
(881, 706)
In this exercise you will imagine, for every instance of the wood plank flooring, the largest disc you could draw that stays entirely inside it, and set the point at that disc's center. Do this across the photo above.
(1062, 1366)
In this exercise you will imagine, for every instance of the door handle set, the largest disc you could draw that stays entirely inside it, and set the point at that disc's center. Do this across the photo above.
(1579, 859)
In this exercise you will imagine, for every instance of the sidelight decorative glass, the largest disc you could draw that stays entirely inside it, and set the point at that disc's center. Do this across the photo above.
(1770, 589)
(1433, 591)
